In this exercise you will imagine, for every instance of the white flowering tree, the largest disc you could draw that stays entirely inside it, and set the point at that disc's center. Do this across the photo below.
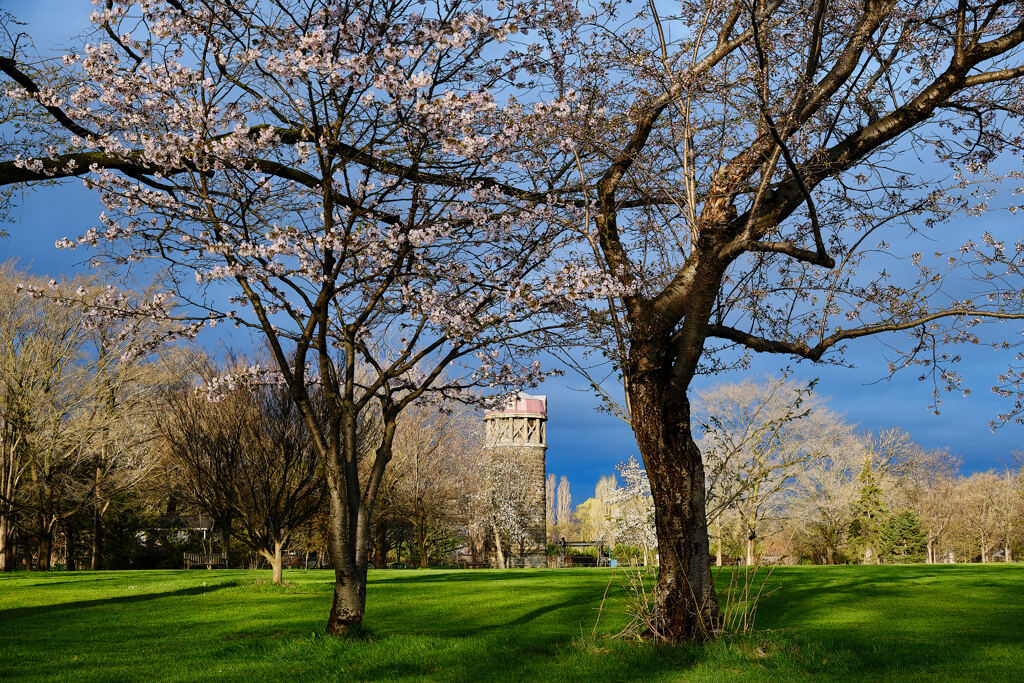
(314, 171)
(633, 508)
(509, 505)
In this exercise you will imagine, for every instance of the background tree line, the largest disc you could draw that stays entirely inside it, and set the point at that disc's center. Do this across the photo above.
(121, 451)
(790, 481)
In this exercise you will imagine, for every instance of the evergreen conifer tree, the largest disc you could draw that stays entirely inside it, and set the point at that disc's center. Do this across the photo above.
(900, 538)
(868, 514)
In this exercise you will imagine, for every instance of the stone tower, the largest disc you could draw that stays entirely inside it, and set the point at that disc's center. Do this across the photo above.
(518, 430)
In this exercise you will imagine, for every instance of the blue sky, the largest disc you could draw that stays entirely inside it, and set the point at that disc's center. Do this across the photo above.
(584, 444)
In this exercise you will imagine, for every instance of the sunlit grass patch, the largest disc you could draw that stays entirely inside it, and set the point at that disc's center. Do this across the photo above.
(916, 622)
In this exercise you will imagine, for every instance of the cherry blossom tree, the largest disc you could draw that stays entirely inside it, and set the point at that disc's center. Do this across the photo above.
(633, 508)
(509, 504)
(316, 172)
(753, 176)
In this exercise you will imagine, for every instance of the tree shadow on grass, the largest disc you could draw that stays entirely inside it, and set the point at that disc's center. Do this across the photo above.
(42, 610)
(425, 576)
(60, 581)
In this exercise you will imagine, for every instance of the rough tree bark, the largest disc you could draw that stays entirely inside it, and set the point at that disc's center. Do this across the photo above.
(687, 606)
(349, 602)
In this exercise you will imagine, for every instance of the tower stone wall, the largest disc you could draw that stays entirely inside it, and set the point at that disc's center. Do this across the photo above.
(519, 430)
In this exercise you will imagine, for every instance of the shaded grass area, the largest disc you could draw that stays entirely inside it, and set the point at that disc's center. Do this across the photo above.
(941, 622)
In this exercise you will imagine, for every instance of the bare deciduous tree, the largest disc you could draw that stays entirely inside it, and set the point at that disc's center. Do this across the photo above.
(758, 437)
(435, 450)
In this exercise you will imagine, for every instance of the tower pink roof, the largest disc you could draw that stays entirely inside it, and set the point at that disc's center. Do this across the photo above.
(524, 403)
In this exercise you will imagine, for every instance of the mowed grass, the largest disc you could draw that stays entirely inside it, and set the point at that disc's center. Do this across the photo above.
(936, 623)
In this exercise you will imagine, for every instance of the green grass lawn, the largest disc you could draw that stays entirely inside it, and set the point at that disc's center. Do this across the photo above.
(907, 622)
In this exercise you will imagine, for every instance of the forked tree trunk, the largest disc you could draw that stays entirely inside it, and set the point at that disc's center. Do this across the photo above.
(751, 547)
(349, 602)
(348, 527)
(686, 604)
(274, 557)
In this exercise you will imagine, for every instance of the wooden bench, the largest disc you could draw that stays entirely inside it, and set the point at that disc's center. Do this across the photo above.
(205, 560)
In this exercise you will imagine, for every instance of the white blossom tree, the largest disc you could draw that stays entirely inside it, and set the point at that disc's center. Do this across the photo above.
(314, 171)
(509, 504)
(633, 508)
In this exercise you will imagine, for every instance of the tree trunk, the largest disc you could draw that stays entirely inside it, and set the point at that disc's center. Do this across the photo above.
(348, 524)
(718, 539)
(686, 604)
(421, 539)
(225, 541)
(930, 555)
(347, 538)
(349, 603)
(497, 546)
(380, 546)
(97, 537)
(751, 543)
(6, 544)
(45, 551)
(276, 561)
